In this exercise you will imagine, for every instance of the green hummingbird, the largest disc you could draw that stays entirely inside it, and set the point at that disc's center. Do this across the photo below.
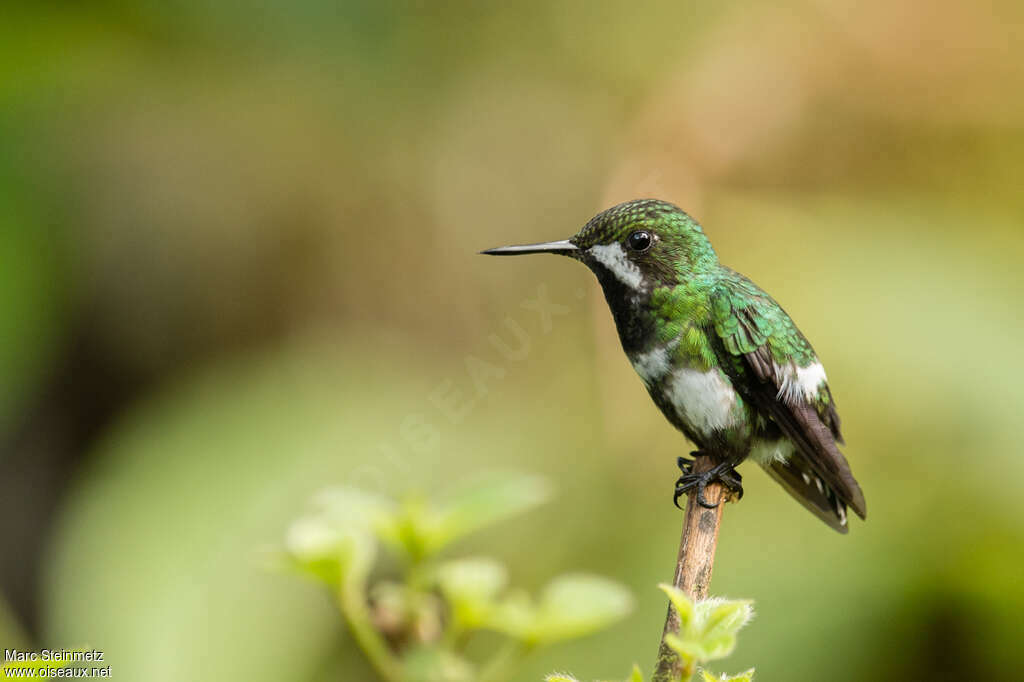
(721, 359)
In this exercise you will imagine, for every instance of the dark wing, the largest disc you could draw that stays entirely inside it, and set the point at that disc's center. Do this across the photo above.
(799, 480)
(777, 363)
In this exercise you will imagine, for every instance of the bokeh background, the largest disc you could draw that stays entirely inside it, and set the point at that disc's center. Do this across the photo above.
(237, 264)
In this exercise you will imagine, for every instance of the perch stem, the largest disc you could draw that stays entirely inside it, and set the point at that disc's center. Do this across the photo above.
(693, 567)
(369, 640)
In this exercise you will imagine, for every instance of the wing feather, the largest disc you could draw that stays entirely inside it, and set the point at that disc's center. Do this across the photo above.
(810, 491)
(815, 442)
(766, 345)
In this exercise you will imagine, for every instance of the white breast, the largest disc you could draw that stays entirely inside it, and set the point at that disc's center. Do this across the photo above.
(703, 400)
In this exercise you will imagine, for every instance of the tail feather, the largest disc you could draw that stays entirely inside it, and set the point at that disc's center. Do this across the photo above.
(810, 490)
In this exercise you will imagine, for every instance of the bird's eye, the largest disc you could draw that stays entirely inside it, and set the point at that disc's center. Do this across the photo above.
(639, 240)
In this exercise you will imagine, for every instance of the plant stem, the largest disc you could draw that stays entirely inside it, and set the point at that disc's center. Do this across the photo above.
(501, 666)
(357, 616)
(693, 567)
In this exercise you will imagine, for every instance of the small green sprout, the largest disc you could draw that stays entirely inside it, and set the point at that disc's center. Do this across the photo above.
(416, 629)
(707, 629)
(707, 632)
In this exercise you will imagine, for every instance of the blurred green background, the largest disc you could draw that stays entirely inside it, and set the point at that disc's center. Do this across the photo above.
(237, 264)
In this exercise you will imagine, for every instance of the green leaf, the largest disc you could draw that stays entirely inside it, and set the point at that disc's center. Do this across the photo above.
(335, 543)
(476, 578)
(688, 649)
(683, 605)
(636, 676)
(560, 677)
(725, 617)
(718, 647)
(311, 538)
(408, 530)
(707, 628)
(314, 547)
(514, 616)
(484, 503)
(330, 554)
(471, 586)
(419, 530)
(358, 552)
(577, 605)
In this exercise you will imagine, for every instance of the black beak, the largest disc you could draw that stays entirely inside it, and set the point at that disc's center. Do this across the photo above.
(564, 247)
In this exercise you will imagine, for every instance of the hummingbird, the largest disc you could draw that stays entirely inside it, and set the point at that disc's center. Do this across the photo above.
(720, 358)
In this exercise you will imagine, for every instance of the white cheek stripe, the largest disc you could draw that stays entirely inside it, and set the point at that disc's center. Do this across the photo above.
(613, 257)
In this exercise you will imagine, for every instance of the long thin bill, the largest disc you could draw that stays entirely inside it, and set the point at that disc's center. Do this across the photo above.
(564, 247)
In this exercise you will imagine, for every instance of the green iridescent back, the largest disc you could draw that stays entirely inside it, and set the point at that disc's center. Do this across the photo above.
(746, 318)
(705, 305)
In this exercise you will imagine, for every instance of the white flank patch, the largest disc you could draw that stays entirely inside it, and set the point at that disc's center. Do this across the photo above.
(765, 452)
(800, 382)
(655, 363)
(613, 257)
(702, 399)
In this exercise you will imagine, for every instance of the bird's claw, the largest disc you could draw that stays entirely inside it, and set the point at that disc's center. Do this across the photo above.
(724, 473)
(686, 465)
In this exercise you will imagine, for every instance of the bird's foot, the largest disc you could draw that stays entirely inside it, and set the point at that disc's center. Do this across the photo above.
(686, 465)
(723, 473)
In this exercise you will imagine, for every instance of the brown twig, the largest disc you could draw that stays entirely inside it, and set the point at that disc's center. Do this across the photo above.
(693, 567)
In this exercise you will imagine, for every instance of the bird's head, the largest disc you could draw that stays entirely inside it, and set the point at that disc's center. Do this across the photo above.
(634, 247)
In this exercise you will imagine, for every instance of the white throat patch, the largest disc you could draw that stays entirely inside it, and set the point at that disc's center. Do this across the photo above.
(613, 257)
